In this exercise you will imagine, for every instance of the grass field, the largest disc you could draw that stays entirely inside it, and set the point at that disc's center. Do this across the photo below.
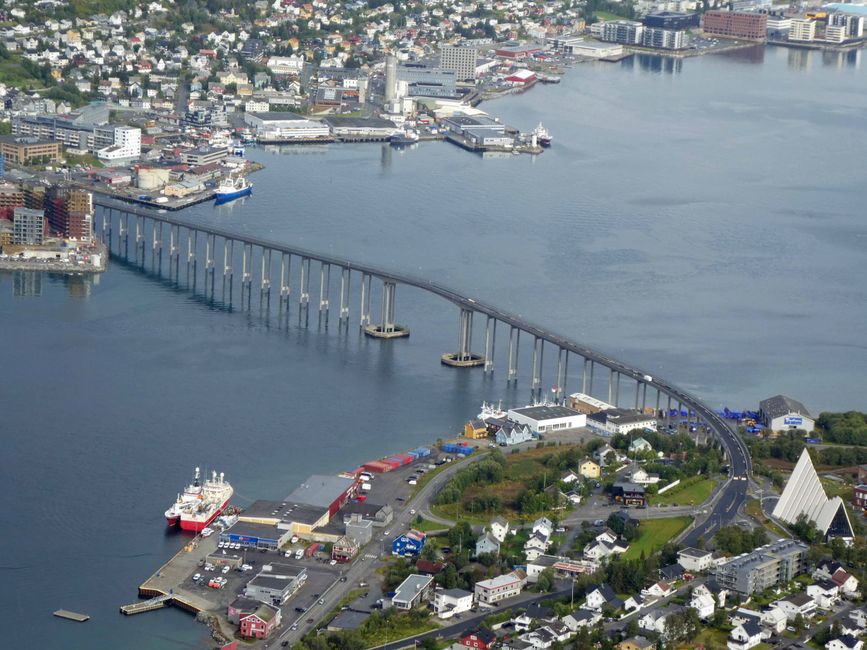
(709, 638)
(654, 534)
(426, 525)
(521, 468)
(752, 509)
(400, 626)
(689, 494)
(607, 15)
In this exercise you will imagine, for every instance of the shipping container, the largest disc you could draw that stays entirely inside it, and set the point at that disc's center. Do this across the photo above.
(422, 452)
(405, 459)
(312, 550)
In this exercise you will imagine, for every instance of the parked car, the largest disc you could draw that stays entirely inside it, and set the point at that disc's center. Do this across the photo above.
(197, 577)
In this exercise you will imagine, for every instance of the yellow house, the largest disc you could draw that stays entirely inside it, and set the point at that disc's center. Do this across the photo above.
(589, 468)
(636, 643)
(475, 429)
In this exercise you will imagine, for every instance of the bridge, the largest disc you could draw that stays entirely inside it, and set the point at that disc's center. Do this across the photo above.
(151, 233)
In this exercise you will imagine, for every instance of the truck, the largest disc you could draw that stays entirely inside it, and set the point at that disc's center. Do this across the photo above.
(647, 378)
(366, 486)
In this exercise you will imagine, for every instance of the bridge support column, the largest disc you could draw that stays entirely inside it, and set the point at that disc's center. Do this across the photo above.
(657, 402)
(637, 391)
(365, 300)
(139, 239)
(157, 245)
(106, 221)
(324, 281)
(610, 381)
(464, 357)
(584, 377)
(210, 265)
(229, 270)
(514, 343)
(174, 248)
(345, 276)
(304, 298)
(490, 343)
(192, 249)
(124, 234)
(536, 380)
(285, 284)
(265, 280)
(387, 328)
(592, 368)
(643, 396)
(561, 374)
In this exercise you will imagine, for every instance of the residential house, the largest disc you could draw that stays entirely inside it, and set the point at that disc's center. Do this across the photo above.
(569, 477)
(600, 597)
(634, 603)
(656, 620)
(539, 564)
(606, 544)
(412, 591)
(703, 602)
(448, 602)
(473, 429)
(512, 433)
(636, 643)
(499, 528)
(589, 468)
(845, 642)
(859, 617)
(694, 560)
(639, 446)
(745, 636)
(795, 604)
(834, 571)
(544, 525)
(487, 544)
(671, 572)
(536, 545)
(581, 618)
(261, 623)
(659, 589)
(409, 543)
(824, 593)
(774, 619)
(606, 454)
(480, 639)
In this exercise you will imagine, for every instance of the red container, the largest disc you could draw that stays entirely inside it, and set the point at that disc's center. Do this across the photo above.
(377, 467)
(405, 459)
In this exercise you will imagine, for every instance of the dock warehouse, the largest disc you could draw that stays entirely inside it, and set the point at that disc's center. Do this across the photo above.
(361, 127)
(274, 589)
(323, 491)
(286, 126)
(256, 535)
(548, 418)
(297, 518)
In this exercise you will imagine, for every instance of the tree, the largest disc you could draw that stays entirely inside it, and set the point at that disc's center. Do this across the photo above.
(546, 580)
(798, 622)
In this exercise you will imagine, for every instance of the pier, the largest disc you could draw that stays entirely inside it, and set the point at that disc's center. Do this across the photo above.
(72, 616)
(220, 263)
(145, 605)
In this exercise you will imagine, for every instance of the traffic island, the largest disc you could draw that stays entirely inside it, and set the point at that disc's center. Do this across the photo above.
(455, 360)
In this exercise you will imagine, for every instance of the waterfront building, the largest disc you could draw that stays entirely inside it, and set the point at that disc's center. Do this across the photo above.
(593, 49)
(518, 50)
(412, 591)
(615, 420)
(361, 127)
(587, 404)
(666, 39)
(779, 25)
(545, 418)
(285, 126)
(671, 20)
(852, 25)
(460, 59)
(204, 156)
(750, 5)
(780, 413)
(804, 495)
(736, 24)
(803, 30)
(765, 567)
(323, 491)
(427, 81)
(28, 227)
(627, 32)
(11, 197)
(261, 623)
(69, 212)
(24, 150)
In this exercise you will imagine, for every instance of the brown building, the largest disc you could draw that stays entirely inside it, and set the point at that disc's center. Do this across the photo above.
(24, 150)
(736, 24)
(11, 197)
(69, 212)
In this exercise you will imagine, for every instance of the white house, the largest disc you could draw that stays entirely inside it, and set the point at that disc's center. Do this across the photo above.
(448, 602)
(569, 477)
(536, 545)
(634, 603)
(745, 636)
(601, 596)
(499, 528)
(499, 588)
(581, 618)
(487, 544)
(694, 560)
(702, 602)
(642, 477)
(656, 620)
(824, 593)
(659, 589)
(835, 572)
(544, 525)
(639, 445)
(774, 619)
(859, 617)
(796, 604)
(845, 642)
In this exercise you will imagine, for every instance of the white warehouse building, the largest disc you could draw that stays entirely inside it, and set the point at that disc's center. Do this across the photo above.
(286, 127)
(781, 413)
(547, 417)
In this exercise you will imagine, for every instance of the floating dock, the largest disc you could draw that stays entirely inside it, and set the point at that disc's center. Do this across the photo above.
(72, 616)
(145, 605)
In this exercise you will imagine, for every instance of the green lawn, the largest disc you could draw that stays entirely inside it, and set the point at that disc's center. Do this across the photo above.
(709, 638)
(689, 494)
(654, 533)
(399, 626)
(427, 525)
(607, 15)
(752, 509)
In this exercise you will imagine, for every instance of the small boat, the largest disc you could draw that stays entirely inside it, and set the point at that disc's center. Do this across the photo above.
(232, 188)
(542, 136)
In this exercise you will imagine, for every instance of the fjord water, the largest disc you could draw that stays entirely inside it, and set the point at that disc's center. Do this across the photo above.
(702, 219)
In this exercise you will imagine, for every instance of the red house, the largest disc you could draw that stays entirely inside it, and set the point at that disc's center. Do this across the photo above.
(261, 623)
(482, 639)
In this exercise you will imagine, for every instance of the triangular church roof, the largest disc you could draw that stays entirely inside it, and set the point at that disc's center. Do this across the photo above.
(804, 494)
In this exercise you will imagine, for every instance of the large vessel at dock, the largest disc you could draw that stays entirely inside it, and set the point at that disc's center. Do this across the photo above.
(200, 504)
(542, 136)
(232, 188)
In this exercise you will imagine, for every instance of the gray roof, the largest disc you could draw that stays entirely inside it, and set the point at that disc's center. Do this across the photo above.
(262, 531)
(276, 116)
(270, 582)
(455, 593)
(320, 490)
(780, 405)
(693, 552)
(348, 620)
(546, 412)
(301, 513)
(360, 122)
(408, 589)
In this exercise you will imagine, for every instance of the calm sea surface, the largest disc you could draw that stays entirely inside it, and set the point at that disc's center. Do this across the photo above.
(702, 219)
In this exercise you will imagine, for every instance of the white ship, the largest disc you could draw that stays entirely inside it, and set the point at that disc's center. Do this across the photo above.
(200, 503)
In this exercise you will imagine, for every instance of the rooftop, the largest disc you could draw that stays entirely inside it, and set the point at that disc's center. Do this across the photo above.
(780, 405)
(546, 412)
(320, 490)
(413, 584)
